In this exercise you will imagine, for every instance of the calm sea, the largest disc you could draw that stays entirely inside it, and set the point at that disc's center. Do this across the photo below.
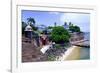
(85, 52)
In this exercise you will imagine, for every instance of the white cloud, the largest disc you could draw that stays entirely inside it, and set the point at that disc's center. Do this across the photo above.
(82, 20)
(74, 17)
(71, 17)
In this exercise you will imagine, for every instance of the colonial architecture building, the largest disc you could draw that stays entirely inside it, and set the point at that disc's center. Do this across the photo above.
(28, 31)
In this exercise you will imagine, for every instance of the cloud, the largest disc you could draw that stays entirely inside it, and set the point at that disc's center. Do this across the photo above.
(80, 19)
(64, 18)
(74, 17)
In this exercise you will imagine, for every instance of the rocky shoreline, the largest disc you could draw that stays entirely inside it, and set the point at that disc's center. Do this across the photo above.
(32, 53)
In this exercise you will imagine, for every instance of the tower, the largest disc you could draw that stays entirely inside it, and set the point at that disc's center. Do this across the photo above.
(28, 31)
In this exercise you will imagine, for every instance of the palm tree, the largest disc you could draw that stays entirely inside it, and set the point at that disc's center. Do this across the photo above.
(55, 24)
(70, 24)
(65, 23)
(31, 21)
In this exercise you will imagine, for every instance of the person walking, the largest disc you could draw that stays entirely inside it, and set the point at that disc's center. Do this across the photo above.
(44, 39)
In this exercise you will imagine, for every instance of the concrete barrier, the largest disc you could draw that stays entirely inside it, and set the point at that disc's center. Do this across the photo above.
(45, 48)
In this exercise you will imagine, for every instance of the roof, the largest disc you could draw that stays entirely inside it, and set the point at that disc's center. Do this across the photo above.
(28, 28)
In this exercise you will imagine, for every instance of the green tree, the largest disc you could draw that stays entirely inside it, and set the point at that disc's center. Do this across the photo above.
(23, 26)
(60, 35)
(32, 22)
(77, 29)
(70, 24)
(50, 27)
(33, 27)
(73, 28)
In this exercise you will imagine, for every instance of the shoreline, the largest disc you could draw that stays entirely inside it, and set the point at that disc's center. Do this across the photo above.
(73, 53)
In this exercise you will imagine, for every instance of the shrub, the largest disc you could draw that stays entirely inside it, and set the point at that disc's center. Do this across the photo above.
(51, 58)
(74, 28)
(60, 35)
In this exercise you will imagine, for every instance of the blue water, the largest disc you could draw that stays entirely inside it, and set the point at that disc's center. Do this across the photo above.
(85, 52)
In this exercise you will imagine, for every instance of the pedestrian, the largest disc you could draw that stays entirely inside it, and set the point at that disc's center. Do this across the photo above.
(44, 39)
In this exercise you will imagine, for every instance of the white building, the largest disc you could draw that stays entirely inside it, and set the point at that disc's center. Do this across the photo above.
(28, 31)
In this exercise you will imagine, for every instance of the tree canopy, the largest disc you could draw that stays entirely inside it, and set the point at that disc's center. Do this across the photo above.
(73, 28)
(31, 20)
(23, 26)
(60, 35)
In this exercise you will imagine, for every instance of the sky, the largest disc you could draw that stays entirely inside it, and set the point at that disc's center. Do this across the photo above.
(49, 18)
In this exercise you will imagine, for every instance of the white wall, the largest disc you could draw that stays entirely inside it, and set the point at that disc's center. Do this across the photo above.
(5, 38)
